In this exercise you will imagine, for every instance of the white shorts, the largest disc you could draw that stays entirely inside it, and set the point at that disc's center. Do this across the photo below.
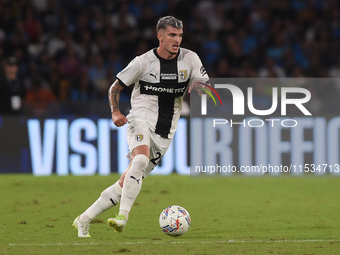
(138, 133)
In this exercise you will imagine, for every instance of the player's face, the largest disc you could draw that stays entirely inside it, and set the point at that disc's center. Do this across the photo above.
(170, 39)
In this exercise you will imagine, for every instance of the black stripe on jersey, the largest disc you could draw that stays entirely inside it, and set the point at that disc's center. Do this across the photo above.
(166, 113)
(166, 101)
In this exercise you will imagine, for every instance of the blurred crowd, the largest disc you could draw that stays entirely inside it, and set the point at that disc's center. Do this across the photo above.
(71, 50)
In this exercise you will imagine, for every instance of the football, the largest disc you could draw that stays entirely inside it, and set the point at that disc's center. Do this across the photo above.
(174, 220)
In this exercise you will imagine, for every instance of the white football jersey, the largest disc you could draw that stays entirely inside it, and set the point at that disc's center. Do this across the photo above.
(159, 87)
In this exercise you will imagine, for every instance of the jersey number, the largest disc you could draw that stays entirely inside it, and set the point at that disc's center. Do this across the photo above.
(156, 159)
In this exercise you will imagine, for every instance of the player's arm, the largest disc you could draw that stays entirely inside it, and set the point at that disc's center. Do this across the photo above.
(199, 76)
(114, 94)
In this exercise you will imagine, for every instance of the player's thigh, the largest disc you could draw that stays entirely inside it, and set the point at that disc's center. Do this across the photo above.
(138, 138)
(158, 148)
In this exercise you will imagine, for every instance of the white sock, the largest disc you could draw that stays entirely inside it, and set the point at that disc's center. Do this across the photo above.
(125, 213)
(108, 198)
(132, 183)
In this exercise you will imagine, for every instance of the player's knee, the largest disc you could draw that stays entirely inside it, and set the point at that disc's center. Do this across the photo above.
(108, 198)
(105, 194)
(141, 161)
(121, 181)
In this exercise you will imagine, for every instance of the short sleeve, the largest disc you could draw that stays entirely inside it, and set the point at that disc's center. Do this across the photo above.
(198, 70)
(130, 74)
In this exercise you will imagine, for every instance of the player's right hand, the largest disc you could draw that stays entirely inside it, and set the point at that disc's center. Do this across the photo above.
(119, 119)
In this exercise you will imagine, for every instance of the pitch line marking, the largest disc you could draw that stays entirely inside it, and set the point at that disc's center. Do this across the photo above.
(202, 242)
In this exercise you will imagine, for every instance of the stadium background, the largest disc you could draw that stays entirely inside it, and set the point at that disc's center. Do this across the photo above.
(73, 49)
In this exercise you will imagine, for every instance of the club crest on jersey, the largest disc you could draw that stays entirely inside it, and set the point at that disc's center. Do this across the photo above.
(183, 74)
(139, 138)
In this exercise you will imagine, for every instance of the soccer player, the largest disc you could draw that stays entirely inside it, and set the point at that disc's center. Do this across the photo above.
(161, 77)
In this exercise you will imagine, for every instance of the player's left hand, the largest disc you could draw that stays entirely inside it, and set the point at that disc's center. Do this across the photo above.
(198, 86)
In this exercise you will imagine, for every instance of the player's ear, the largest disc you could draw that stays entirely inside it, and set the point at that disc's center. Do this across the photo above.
(160, 36)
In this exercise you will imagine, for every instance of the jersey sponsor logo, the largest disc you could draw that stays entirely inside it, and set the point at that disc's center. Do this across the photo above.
(139, 138)
(183, 74)
(169, 76)
(163, 89)
(154, 75)
(203, 71)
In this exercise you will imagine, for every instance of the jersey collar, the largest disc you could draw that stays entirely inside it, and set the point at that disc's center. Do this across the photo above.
(166, 60)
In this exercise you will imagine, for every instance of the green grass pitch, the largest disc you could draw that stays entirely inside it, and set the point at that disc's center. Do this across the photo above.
(229, 216)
